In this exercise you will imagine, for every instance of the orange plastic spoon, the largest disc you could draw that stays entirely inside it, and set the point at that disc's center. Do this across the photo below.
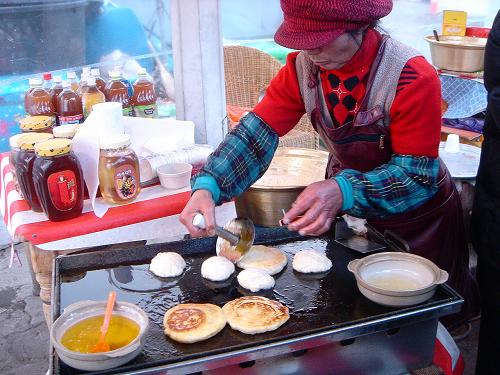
(102, 345)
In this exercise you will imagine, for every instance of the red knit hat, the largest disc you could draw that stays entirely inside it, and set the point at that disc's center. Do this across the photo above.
(310, 24)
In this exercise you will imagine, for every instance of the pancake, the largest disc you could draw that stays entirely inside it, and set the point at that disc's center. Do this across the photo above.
(193, 322)
(217, 268)
(311, 261)
(168, 264)
(254, 279)
(264, 258)
(255, 314)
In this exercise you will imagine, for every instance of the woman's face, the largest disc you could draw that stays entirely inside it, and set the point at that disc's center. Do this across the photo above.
(335, 54)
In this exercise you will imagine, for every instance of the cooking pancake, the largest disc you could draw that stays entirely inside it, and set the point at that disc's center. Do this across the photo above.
(311, 261)
(193, 322)
(255, 314)
(264, 258)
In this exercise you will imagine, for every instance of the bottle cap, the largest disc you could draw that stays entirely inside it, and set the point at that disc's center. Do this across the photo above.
(114, 74)
(47, 76)
(95, 72)
(86, 70)
(28, 140)
(64, 131)
(53, 147)
(57, 79)
(71, 75)
(30, 123)
(66, 84)
(119, 141)
(90, 80)
(14, 139)
(141, 71)
(35, 81)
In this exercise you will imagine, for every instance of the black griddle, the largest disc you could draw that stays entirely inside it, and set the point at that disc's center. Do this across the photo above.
(317, 303)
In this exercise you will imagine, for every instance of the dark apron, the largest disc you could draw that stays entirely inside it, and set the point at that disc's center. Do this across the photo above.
(434, 230)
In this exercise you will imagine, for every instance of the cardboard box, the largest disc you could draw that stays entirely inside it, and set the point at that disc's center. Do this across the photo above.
(454, 22)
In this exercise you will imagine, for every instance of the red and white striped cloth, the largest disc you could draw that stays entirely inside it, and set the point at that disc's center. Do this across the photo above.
(154, 214)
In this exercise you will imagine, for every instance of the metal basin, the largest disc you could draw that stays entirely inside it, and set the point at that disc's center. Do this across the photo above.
(291, 170)
(457, 53)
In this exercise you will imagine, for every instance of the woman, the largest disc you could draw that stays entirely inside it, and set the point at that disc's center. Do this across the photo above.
(376, 105)
(485, 221)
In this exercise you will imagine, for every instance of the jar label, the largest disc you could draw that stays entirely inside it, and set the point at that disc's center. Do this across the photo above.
(148, 111)
(126, 181)
(67, 120)
(128, 111)
(63, 189)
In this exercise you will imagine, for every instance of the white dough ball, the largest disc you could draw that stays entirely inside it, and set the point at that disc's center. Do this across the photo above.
(311, 261)
(217, 268)
(167, 264)
(254, 279)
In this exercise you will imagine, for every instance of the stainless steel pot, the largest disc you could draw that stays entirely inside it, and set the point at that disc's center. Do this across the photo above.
(457, 53)
(291, 170)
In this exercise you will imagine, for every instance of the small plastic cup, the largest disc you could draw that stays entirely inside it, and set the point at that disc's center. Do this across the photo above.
(452, 144)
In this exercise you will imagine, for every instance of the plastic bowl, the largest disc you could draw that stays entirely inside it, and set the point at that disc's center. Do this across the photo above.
(98, 361)
(396, 279)
(175, 175)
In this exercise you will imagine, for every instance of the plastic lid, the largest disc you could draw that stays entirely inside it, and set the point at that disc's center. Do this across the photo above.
(36, 122)
(47, 76)
(14, 139)
(119, 141)
(114, 74)
(53, 147)
(71, 75)
(141, 71)
(95, 72)
(57, 79)
(66, 84)
(64, 131)
(35, 81)
(86, 70)
(28, 140)
(90, 80)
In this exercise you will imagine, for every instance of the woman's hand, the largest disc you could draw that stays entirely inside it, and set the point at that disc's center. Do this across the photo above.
(317, 206)
(201, 202)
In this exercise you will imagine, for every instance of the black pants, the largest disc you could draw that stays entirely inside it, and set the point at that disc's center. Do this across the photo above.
(488, 353)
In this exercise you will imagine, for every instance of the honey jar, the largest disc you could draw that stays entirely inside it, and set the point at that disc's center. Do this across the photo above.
(58, 179)
(119, 179)
(38, 124)
(14, 152)
(24, 167)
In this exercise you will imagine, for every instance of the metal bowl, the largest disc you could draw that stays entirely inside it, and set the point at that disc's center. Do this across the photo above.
(291, 170)
(98, 361)
(457, 53)
(396, 278)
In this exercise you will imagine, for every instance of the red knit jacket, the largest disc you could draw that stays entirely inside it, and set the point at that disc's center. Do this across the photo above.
(415, 112)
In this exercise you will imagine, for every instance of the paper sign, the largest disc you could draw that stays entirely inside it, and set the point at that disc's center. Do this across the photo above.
(454, 22)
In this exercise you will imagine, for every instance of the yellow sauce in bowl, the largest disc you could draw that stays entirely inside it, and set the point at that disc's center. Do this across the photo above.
(82, 336)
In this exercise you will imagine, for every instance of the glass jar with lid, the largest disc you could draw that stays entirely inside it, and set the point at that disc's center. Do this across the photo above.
(24, 167)
(58, 179)
(37, 124)
(14, 152)
(119, 179)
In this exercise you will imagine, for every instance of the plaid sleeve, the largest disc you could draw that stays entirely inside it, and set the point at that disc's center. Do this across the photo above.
(403, 184)
(241, 159)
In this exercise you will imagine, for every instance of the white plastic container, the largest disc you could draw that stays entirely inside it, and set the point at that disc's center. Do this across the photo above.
(175, 175)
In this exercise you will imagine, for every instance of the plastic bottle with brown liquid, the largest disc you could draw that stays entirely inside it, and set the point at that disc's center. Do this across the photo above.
(32, 82)
(117, 91)
(99, 81)
(39, 101)
(91, 96)
(73, 80)
(69, 106)
(144, 99)
(55, 90)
